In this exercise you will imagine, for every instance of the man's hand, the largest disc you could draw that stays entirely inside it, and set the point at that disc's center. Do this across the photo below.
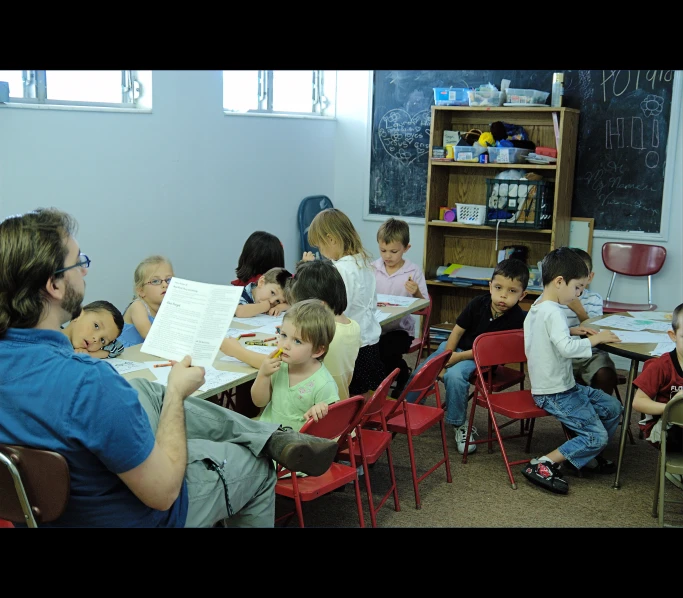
(308, 256)
(317, 412)
(185, 378)
(270, 366)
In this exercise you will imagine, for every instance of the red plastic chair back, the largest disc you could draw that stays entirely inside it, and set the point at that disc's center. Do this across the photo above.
(424, 382)
(633, 259)
(340, 420)
(375, 404)
(498, 349)
(422, 344)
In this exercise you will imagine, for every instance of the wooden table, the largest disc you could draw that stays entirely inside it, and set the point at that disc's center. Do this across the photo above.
(637, 353)
(248, 373)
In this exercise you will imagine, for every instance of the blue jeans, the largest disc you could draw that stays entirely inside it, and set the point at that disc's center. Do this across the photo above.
(590, 413)
(457, 383)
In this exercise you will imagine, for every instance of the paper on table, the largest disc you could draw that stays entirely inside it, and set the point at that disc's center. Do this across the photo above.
(397, 299)
(663, 347)
(192, 320)
(262, 320)
(626, 323)
(124, 366)
(662, 316)
(213, 378)
(235, 332)
(270, 329)
(628, 336)
(255, 348)
(380, 315)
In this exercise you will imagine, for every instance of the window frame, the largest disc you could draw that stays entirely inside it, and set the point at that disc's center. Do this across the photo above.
(322, 106)
(35, 94)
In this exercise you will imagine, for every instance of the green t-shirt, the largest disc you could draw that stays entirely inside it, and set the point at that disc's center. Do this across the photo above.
(289, 403)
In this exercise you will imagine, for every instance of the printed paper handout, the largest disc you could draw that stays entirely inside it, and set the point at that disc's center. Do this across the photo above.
(192, 320)
(395, 300)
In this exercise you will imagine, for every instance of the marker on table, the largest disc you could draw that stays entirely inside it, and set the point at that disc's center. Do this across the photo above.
(275, 354)
(163, 365)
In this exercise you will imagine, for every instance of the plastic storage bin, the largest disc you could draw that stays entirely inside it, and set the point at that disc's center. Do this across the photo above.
(507, 155)
(468, 153)
(470, 213)
(526, 96)
(485, 97)
(450, 96)
(529, 203)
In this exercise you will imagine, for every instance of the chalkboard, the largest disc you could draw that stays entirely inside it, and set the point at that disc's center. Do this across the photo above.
(621, 145)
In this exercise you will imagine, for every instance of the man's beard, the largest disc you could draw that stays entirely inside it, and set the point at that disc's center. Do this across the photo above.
(73, 301)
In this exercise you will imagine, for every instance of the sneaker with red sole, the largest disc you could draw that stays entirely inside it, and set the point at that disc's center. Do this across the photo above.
(546, 475)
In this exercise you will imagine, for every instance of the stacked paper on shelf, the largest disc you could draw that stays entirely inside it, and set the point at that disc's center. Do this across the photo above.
(471, 275)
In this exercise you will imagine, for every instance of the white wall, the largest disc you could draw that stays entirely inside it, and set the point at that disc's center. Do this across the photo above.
(189, 182)
(185, 181)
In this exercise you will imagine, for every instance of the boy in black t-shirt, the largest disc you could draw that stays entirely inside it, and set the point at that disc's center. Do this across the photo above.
(496, 311)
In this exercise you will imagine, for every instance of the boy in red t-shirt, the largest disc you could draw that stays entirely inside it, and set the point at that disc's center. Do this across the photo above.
(659, 382)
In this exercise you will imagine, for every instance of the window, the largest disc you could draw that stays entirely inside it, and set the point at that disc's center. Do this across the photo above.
(79, 88)
(303, 93)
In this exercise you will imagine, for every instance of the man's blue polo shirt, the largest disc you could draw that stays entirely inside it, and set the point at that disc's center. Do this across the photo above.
(53, 398)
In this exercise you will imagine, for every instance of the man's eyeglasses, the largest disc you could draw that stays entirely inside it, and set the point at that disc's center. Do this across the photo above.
(83, 262)
(157, 281)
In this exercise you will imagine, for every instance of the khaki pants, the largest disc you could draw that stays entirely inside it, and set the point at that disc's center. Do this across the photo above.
(228, 439)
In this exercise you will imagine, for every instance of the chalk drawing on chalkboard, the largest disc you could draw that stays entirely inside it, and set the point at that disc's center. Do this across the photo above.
(403, 136)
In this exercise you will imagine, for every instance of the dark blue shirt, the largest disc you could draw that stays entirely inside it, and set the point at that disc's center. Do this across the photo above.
(53, 398)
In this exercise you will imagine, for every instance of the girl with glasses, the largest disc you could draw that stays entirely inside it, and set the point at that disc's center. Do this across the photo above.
(150, 283)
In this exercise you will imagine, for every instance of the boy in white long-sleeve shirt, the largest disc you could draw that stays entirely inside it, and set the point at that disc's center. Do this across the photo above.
(591, 414)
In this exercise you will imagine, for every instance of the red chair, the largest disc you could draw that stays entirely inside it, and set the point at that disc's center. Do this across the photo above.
(339, 423)
(370, 444)
(413, 419)
(631, 259)
(421, 344)
(495, 349)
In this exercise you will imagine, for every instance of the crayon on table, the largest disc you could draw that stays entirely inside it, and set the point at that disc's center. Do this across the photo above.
(163, 365)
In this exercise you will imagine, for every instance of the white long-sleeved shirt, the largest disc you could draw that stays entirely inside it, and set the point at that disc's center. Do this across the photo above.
(361, 296)
(550, 349)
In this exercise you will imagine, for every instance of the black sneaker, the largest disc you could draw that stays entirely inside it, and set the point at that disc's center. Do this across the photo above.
(546, 475)
(599, 465)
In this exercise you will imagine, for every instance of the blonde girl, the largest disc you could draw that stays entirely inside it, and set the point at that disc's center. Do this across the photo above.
(336, 238)
(150, 283)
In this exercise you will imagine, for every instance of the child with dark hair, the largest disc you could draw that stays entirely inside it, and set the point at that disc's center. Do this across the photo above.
(590, 413)
(497, 310)
(261, 252)
(657, 384)
(96, 329)
(265, 296)
(598, 370)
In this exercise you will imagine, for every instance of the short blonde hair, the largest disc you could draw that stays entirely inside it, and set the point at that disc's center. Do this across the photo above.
(315, 323)
(278, 276)
(140, 275)
(335, 223)
(393, 230)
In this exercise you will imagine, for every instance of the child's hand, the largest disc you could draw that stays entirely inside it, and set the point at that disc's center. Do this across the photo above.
(277, 309)
(605, 336)
(582, 331)
(411, 286)
(452, 360)
(229, 346)
(308, 256)
(81, 350)
(270, 366)
(317, 412)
